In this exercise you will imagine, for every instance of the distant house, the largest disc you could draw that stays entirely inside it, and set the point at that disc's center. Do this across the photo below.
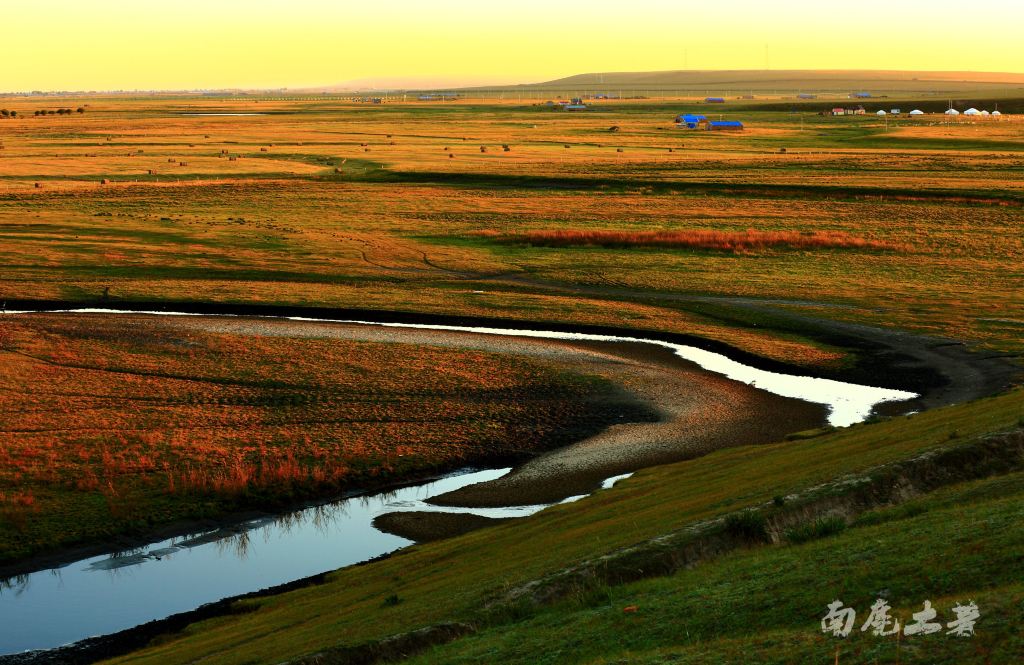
(725, 126)
(894, 111)
(806, 96)
(845, 111)
(576, 105)
(689, 120)
(714, 100)
(861, 95)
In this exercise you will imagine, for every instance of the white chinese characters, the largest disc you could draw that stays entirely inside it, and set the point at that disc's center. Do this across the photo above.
(839, 621)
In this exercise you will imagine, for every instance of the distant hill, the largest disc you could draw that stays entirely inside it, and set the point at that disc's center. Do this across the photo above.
(762, 80)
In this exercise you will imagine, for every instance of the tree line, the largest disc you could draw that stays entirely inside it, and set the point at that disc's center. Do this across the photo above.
(6, 113)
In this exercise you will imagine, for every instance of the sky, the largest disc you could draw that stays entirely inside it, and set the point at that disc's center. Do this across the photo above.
(196, 44)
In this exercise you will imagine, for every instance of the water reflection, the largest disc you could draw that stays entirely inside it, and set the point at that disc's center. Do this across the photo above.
(51, 608)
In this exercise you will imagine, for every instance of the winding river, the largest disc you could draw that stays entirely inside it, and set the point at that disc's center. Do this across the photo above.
(105, 594)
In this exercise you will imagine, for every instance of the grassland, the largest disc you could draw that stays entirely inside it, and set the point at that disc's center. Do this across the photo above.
(329, 203)
(399, 227)
(115, 427)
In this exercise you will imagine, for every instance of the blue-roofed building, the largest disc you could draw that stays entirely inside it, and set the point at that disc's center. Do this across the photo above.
(725, 125)
(714, 100)
(862, 95)
(689, 120)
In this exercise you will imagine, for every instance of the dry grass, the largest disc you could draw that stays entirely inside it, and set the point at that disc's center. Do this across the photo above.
(109, 422)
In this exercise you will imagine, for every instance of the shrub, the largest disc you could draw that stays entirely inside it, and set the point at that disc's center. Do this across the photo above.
(747, 525)
(820, 528)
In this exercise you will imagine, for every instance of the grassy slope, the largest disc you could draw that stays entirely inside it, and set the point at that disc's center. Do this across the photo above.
(450, 580)
(764, 605)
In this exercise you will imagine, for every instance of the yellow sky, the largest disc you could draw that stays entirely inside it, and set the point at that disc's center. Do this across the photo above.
(142, 44)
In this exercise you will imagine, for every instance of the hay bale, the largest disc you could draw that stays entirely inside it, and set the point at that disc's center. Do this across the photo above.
(182, 163)
(619, 150)
(232, 159)
(451, 155)
(263, 150)
(150, 172)
(337, 169)
(38, 185)
(483, 148)
(105, 181)
(171, 161)
(567, 146)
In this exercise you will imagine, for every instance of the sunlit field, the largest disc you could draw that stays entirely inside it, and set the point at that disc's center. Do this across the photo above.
(116, 426)
(340, 203)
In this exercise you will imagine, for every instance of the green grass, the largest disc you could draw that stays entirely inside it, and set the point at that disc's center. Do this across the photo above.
(764, 605)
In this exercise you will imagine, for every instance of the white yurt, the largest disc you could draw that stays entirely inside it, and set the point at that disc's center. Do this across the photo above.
(972, 111)
(984, 112)
(916, 112)
(881, 112)
(952, 112)
(996, 113)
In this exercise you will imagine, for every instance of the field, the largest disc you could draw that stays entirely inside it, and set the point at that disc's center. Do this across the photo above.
(116, 427)
(858, 247)
(404, 226)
